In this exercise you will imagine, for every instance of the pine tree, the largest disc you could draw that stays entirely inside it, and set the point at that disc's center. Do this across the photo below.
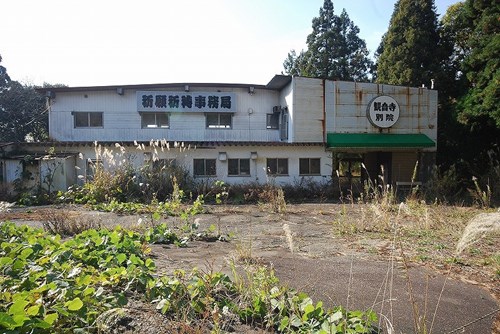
(410, 50)
(334, 49)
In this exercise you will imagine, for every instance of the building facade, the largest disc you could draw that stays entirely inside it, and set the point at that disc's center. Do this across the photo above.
(291, 129)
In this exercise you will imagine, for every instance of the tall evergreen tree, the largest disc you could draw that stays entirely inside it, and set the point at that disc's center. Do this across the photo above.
(410, 51)
(334, 49)
(480, 22)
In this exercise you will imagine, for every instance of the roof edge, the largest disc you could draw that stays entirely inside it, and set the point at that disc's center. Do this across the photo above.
(179, 85)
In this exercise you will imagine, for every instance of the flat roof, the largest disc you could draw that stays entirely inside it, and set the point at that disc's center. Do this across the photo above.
(276, 83)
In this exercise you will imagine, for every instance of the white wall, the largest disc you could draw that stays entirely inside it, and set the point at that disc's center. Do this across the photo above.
(184, 157)
(346, 104)
(308, 110)
(122, 122)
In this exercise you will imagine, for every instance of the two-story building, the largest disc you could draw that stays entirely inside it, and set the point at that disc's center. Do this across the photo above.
(292, 128)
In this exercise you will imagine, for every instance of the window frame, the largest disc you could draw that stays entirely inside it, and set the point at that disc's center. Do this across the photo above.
(157, 124)
(218, 125)
(89, 120)
(206, 170)
(238, 167)
(309, 165)
(277, 172)
(269, 121)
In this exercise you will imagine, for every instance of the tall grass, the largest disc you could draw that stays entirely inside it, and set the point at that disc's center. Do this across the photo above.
(480, 226)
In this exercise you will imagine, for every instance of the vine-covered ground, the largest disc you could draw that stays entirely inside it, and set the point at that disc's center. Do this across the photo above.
(357, 256)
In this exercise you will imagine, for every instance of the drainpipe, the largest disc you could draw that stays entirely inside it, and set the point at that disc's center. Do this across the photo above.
(324, 113)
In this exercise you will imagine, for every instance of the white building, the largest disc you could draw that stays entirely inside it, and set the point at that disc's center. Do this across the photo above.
(292, 128)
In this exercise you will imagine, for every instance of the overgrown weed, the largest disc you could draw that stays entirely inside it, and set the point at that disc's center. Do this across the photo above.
(65, 224)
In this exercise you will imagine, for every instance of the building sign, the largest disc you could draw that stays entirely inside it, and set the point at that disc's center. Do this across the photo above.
(186, 101)
(383, 111)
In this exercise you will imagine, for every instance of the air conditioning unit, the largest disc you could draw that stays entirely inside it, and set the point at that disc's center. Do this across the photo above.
(276, 108)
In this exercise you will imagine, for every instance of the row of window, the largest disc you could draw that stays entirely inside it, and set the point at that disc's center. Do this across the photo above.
(162, 120)
(241, 167)
(235, 167)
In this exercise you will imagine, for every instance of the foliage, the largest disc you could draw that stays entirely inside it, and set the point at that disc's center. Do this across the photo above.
(155, 209)
(60, 222)
(114, 179)
(481, 61)
(53, 286)
(47, 285)
(334, 49)
(22, 111)
(410, 52)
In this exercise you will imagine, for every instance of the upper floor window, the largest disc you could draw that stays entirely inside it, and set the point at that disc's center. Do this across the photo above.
(309, 166)
(277, 166)
(238, 167)
(273, 121)
(154, 120)
(219, 120)
(204, 167)
(88, 119)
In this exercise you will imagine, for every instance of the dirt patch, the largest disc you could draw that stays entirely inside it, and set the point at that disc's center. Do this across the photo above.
(342, 254)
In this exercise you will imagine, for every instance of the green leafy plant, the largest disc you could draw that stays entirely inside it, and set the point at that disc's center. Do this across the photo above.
(52, 286)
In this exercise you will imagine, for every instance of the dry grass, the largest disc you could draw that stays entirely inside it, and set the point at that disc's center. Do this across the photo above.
(479, 227)
(64, 223)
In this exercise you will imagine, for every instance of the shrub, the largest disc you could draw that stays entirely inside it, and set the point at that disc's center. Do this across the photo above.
(62, 223)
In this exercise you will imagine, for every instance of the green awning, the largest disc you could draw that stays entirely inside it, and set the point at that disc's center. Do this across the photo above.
(371, 140)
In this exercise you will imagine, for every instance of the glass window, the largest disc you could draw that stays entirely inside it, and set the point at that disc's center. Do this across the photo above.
(350, 168)
(310, 166)
(273, 121)
(88, 119)
(155, 120)
(95, 119)
(204, 167)
(277, 166)
(219, 121)
(238, 167)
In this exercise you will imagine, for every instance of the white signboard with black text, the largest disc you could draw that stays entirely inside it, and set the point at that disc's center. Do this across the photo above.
(155, 101)
(383, 111)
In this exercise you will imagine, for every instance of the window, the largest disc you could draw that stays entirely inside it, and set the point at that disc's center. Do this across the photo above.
(88, 119)
(350, 168)
(154, 120)
(157, 164)
(163, 164)
(273, 121)
(238, 167)
(92, 167)
(277, 166)
(284, 126)
(204, 167)
(219, 121)
(309, 166)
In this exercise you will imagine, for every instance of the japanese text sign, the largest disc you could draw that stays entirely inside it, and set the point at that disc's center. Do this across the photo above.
(186, 101)
(383, 111)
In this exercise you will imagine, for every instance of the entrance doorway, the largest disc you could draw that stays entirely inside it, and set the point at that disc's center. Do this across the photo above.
(350, 173)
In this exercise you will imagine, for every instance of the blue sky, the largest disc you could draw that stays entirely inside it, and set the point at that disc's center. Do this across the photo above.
(96, 42)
